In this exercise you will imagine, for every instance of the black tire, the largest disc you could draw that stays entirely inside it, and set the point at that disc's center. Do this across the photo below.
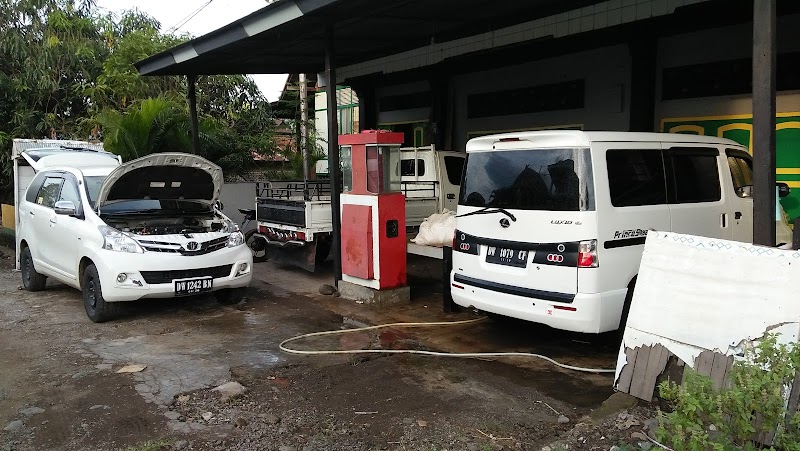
(31, 280)
(258, 246)
(230, 296)
(626, 308)
(97, 309)
(323, 250)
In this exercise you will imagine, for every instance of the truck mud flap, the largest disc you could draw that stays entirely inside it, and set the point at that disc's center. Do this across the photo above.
(308, 257)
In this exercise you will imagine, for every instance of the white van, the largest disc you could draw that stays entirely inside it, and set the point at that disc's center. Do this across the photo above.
(551, 224)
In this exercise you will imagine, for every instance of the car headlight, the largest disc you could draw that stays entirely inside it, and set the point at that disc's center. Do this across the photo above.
(229, 226)
(235, 239)
(114, 240)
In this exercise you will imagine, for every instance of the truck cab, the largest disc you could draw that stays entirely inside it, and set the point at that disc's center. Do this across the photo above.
(430, 180)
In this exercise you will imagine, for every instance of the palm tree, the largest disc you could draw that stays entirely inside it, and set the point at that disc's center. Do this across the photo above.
(154, 125)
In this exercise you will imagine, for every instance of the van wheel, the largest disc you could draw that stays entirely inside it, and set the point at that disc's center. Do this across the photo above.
(230, 296)
(97, 309)
(31, 280)
(626, 308)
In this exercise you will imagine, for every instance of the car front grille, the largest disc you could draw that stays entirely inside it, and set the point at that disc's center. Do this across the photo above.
(208, 247)
(175, 248)
(156, 277)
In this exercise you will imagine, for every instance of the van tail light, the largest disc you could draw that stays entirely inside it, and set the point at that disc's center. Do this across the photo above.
(587, 254)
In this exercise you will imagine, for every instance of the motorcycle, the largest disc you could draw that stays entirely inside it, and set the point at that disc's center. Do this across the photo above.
(258, 246)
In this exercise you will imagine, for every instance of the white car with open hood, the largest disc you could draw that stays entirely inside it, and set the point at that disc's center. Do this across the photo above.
(149, 228)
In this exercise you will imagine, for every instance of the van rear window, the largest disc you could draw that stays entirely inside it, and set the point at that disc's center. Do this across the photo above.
(541, 179)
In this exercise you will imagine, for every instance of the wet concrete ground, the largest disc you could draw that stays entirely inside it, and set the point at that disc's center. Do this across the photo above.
(53, 358)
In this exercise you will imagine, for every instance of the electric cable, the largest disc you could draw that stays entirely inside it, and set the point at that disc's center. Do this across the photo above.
(186, 19)
(283, 347)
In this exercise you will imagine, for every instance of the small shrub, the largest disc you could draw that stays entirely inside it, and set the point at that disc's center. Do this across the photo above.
(752, 406)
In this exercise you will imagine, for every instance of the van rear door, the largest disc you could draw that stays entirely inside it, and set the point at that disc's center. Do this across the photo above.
(521, 216)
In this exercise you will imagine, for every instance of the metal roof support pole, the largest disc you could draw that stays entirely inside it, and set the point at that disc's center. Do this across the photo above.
(764, 28)
(192, 96)
(304, 145)
(333, 151)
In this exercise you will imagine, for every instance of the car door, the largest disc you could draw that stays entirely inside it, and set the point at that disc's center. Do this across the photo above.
(450, 167)
(741, 166)
(65, 231)
(697, 202)
(42, 240)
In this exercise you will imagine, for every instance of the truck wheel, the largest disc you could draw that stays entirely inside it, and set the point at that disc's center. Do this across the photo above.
(323, 250)
(230, 296)
(31, 280)
(97, 309)
(257, 246)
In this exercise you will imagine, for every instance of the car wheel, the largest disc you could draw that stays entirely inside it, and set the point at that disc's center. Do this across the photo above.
(258, 246)
(31, 280)
(97, 309)
(229, 296)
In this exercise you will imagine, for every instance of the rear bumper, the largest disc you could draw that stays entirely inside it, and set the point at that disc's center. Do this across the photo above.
(588, 313)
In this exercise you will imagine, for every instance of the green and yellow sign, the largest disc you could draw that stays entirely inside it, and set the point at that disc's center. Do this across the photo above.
(739, 128)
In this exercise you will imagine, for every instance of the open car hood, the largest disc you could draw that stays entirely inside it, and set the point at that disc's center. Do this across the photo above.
(163, 176)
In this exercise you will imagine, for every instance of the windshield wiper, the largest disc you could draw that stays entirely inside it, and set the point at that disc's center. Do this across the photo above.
(487, 211)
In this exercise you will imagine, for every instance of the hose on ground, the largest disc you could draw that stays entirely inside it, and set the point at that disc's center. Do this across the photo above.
(421, 352)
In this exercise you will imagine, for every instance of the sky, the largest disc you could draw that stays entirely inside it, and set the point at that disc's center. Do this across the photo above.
(217, 14)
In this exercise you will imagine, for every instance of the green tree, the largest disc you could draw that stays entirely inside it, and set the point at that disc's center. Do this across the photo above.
(131, 38)
(65, 68)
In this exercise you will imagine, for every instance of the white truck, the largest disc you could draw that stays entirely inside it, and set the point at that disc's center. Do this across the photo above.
(294, 217)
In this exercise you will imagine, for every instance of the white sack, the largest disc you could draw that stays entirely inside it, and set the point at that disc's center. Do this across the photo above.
(437, 229)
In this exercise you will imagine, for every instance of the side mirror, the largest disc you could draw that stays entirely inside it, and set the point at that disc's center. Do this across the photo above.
(745, 191)
(65, 207)
(783, 189)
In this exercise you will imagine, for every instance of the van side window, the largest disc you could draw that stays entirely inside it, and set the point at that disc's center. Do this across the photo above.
(407, 167)
(695, 175)
(741, 173)
(636, 177)
(48, 193)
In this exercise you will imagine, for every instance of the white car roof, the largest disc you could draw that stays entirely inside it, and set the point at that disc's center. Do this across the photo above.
(579, 139)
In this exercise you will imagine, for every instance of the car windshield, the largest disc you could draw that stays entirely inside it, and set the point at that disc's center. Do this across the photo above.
(541, 179)
(154, 206)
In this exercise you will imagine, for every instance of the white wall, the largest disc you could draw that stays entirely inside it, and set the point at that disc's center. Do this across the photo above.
(606, 73)
(238, 195)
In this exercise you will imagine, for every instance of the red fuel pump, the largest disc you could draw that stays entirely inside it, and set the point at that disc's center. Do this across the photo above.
(373, 242)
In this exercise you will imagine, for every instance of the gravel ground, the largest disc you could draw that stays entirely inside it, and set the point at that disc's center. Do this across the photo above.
(60, 388)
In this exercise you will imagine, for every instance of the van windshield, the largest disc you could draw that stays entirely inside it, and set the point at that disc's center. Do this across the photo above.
(541, 179)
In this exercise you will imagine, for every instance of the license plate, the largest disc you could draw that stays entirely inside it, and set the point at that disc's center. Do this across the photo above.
(185, 287)
(508, 257)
